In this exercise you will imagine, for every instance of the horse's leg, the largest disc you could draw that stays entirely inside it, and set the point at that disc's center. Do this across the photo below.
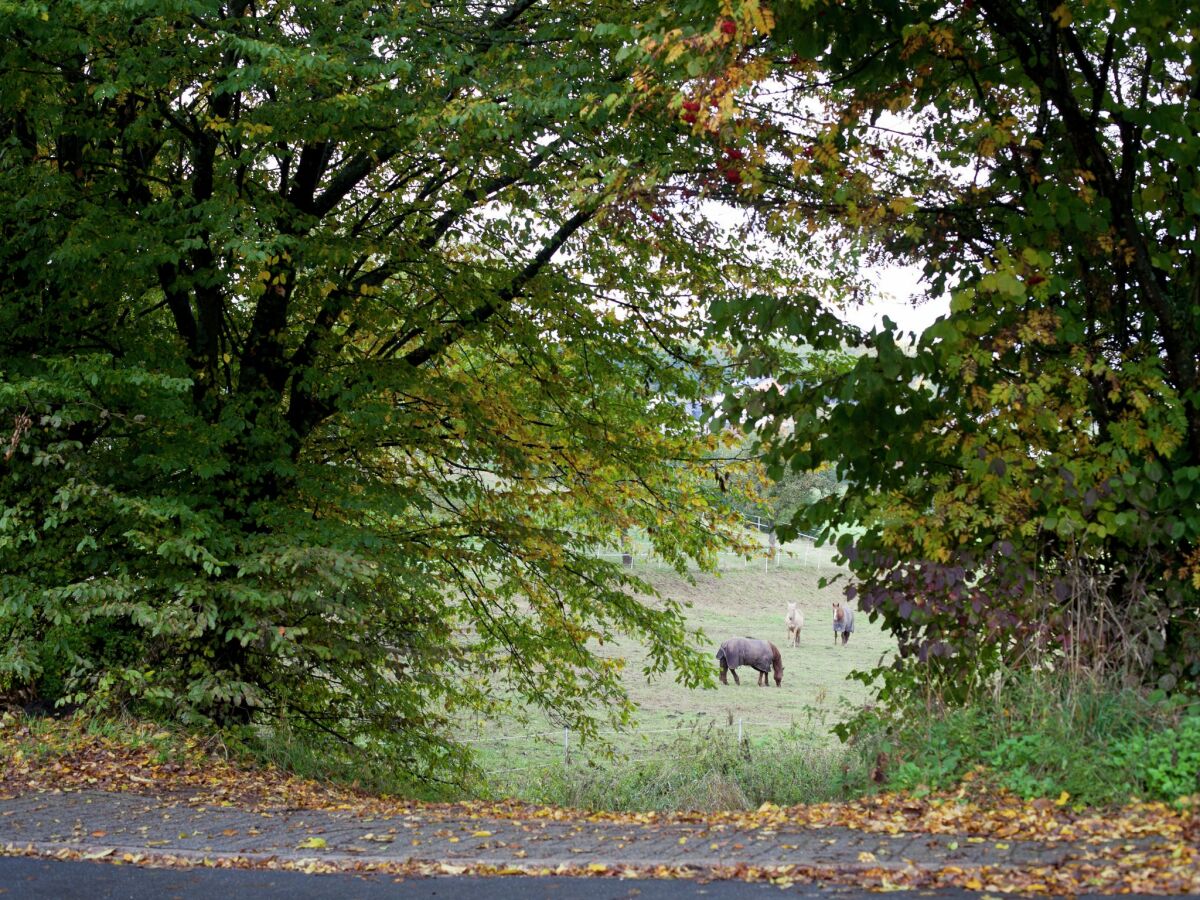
(736, 680)
(845, 638)
(724, 670)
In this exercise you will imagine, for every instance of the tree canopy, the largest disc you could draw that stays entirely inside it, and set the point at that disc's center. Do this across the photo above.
(337, 341)
(1024, 477)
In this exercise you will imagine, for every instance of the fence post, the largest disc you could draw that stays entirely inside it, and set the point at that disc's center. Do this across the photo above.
(739, 731)
(566, 745)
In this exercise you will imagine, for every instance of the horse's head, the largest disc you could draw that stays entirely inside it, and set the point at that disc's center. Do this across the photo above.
(839, 613)
(777, 665)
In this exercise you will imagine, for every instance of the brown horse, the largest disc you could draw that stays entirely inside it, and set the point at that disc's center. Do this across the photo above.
(763, 656)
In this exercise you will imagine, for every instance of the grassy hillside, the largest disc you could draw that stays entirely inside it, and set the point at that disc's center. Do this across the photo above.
(748, 599)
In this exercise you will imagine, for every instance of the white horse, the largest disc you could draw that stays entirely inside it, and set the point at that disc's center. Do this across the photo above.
(843, 622)
(794, 621)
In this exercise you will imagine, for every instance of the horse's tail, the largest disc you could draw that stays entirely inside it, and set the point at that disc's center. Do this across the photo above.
(721, 654)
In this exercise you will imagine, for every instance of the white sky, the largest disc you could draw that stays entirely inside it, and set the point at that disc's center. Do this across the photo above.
(896, 287)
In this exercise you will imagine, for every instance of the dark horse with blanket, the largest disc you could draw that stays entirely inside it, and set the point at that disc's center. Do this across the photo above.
(760, 655)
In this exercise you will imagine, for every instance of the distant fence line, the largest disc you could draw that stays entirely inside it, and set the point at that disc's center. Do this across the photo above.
(772, 557)
(635, 549)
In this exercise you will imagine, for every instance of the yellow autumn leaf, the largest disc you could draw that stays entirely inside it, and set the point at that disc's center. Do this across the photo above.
(1062, 799)
(1062, 16)
(312, 843)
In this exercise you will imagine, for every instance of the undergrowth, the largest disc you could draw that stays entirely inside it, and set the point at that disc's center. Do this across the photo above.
(353, 767)
(1043, 735)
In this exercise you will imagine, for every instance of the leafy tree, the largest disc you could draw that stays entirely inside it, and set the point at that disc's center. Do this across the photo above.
(1027, 472)
(334, 342)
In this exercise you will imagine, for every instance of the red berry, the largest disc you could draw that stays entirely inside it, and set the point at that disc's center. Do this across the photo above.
(689, 117)
(733, 176)
(1034, 280)
(728, 26)
(733, 153)
(691, 106)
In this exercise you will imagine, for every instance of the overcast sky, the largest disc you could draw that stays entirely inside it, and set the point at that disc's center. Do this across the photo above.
(897, 286)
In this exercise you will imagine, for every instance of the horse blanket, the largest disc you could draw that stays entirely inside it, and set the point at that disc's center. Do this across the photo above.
(847, 623)
(744, 651)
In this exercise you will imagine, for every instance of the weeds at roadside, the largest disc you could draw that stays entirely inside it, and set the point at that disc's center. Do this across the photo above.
(1046, 735)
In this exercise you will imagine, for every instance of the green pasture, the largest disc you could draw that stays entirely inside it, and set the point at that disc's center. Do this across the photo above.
(746, 598)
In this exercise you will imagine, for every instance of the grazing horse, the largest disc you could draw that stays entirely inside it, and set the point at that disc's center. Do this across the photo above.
(794, 621)
(762, 656)
(843, 621)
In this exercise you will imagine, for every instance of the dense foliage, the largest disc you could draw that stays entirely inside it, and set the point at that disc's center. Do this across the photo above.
(1046, 735)
(1025, 476)
(336, 340)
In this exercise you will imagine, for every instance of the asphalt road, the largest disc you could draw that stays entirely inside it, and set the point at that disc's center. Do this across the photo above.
(23, 878)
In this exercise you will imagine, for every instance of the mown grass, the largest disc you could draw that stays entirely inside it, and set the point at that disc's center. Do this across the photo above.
(742, 601)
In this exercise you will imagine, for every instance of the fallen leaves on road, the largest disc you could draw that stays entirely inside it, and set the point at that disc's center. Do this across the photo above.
(1096, 876)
